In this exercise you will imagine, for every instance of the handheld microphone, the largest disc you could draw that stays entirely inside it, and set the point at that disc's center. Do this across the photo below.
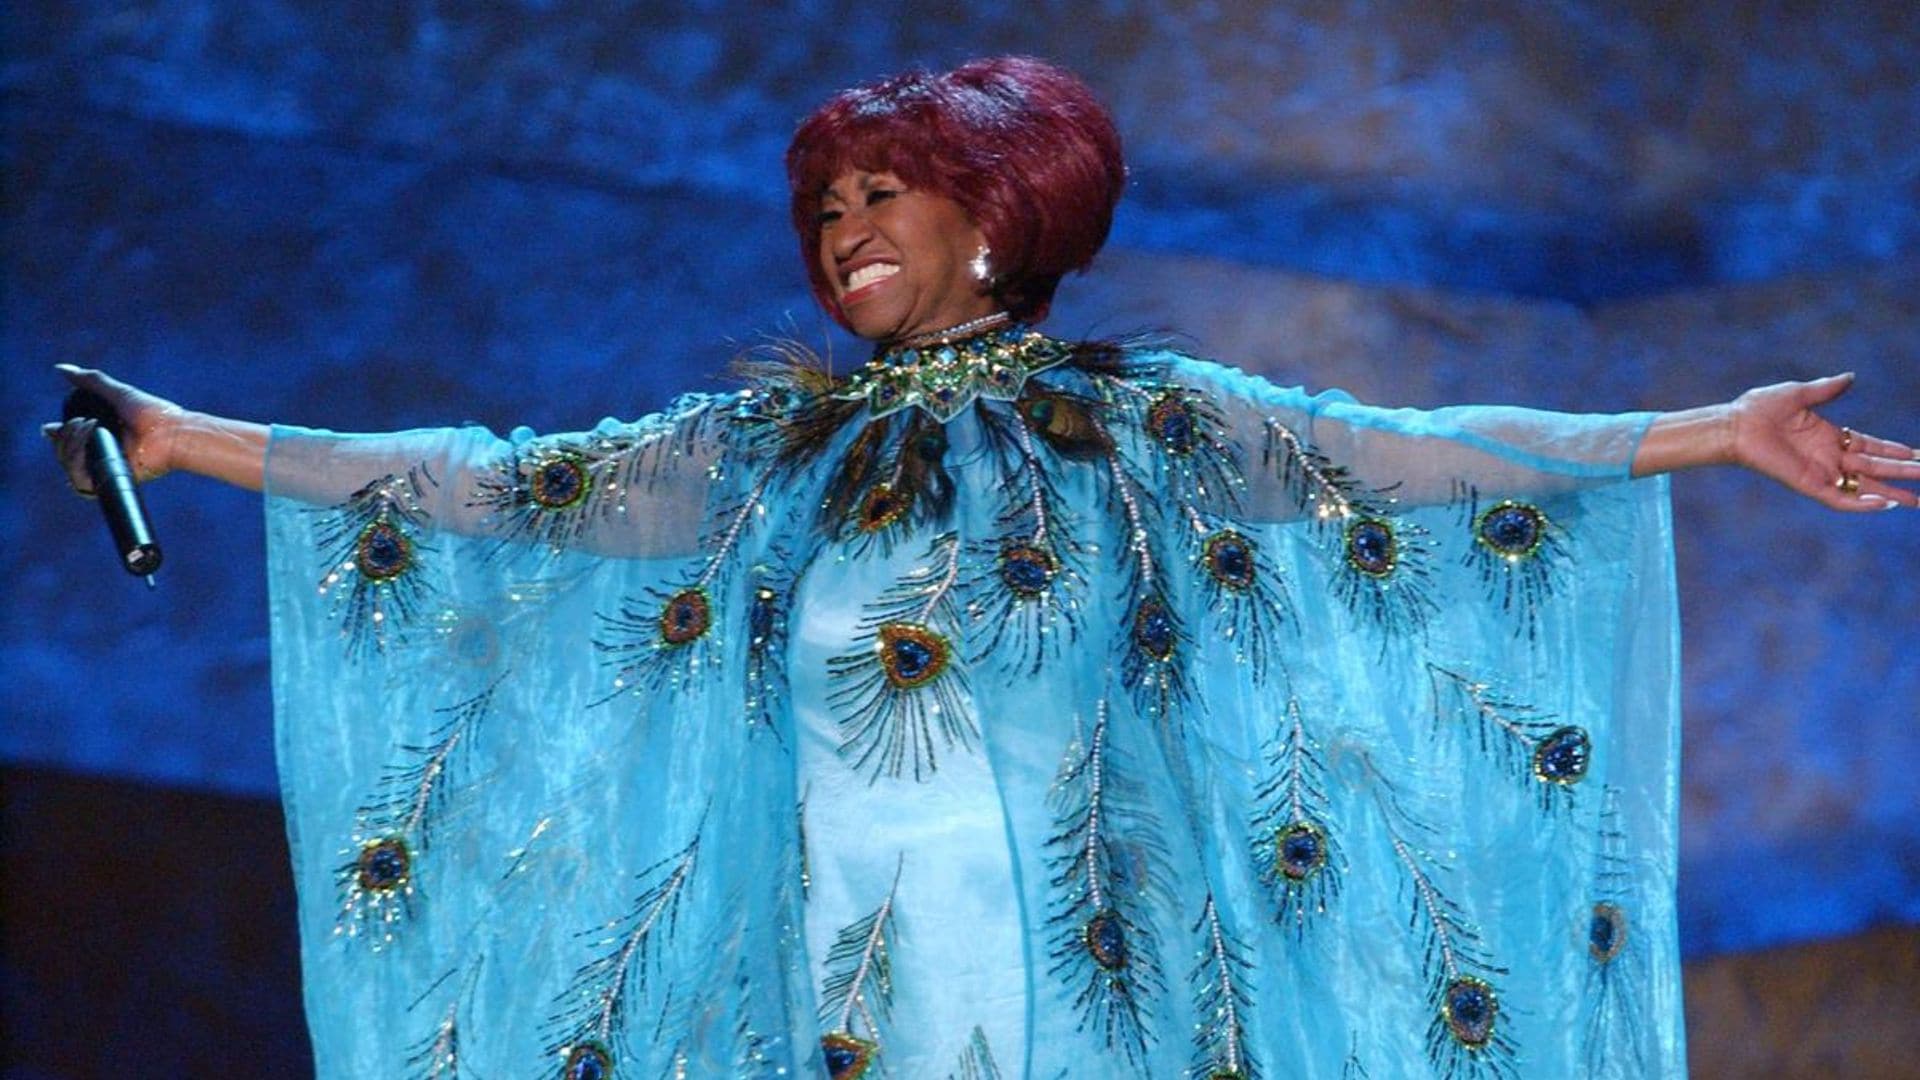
(113, 483)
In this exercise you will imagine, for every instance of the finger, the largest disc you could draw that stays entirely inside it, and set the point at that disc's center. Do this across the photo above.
(1821, 391)
(1898, 496)
(1869, 445)
(1886, 468)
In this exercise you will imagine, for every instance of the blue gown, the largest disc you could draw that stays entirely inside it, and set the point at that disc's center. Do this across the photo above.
(1010, 708)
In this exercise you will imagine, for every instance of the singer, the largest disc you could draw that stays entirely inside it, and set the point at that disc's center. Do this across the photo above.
(1010, 705)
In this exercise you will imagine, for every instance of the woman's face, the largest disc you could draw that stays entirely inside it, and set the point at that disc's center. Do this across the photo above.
(898, 259)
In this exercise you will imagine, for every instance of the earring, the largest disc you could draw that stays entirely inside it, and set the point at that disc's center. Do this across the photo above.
(982, 270)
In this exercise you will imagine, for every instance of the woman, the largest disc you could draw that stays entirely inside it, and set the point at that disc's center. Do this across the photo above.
(1009, 706)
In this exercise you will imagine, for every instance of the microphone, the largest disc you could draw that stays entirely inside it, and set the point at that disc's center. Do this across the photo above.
(113, 483)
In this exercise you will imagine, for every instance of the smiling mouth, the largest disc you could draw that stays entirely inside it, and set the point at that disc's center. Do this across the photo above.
(868, 275)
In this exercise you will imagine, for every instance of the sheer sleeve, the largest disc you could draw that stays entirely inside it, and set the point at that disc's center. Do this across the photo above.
(627, 489)
(1415, 457)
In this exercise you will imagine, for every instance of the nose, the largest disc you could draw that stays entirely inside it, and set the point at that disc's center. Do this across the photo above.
(848, 234)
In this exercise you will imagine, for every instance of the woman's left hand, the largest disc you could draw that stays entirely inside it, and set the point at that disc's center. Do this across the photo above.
(1777, 433)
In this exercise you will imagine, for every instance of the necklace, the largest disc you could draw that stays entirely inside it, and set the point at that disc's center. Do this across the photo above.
(944, 371)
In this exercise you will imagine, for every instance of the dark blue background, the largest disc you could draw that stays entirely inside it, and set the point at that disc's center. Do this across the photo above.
(377, 215)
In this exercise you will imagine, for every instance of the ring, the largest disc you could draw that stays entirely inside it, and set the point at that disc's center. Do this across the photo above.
(1848, 483)
(1846, 439)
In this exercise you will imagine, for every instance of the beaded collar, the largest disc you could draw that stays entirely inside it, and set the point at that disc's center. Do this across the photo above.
(943, 373)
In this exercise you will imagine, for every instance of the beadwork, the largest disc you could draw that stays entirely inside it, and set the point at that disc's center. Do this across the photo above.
(1106, 940)
(1229, 559)
(1300, 850)
(558, 483)
(382, 552)
(1511, 530)
(384, 865)
(1470, 1008)
(1561, 757)
(847, 1056)
(686, 616)
(588, 1061)
(1606, 932)
(945, 378)
(912, 655)
(1371, 548)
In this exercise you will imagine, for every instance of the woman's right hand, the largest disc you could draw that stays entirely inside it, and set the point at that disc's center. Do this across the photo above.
(149, 429)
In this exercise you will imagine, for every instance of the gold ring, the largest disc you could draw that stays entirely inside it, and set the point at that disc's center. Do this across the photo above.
(1846, 439)
(1848, 483)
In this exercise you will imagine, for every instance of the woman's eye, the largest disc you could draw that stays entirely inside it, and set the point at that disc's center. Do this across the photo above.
(826, 217)
(880, 195)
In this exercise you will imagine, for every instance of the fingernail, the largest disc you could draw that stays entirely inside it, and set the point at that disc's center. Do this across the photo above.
(65, 367)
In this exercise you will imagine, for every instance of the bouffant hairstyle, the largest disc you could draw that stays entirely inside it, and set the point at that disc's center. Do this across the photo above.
(1023, 146)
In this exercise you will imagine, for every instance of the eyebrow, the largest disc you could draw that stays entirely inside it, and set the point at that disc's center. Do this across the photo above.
(867, 183)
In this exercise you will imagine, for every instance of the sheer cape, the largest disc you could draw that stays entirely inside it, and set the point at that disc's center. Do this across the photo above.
(1034, 710)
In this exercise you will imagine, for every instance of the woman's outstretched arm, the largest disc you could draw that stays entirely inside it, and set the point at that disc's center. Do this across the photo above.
(159, 437)
(1775, 431)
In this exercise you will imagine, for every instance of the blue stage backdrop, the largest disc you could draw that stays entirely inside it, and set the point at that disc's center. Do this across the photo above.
(368, 216)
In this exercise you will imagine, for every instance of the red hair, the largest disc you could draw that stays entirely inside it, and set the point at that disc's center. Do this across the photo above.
(1023, 146)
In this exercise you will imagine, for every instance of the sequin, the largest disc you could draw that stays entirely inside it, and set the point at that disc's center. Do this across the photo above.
(1606, 931)
(1025, 569)
(1469, 1008)
(1106, 940)
(1153, 629)
(882, 507)
(912, 655)
(760, 617)
(384, 865)
(382, 552)
(1170, 422)
(847, 1057)
(1229, 559)
(1371, 547)
(1561, 757)
(588, 1061)
(559, 484)
(685, 617)
(1300, 850)
(1511, 530)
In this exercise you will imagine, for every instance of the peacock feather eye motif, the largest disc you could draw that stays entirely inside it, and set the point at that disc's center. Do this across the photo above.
(588, 1026)
(1292, 847)
(395, 826)
(1105, 938)
(847, 1058)
(382, 552)
(1105, 863)
(766, 673)
(588, 1061)
(1027, 570)
(558, 483)
(1518, 553)
(856, 996)
(1372, 548)
(686, 617)
(1156, 630)
(1170, 422)
(898, 687)
(1229, 560)
(881, 507)
(1463, 1036)
(1470, 1008)
(1222, 1001)
(1299, 850)
(1611, 1036)
(1382, 574)
(1511, 530)
(1532, 747)
(374, 572)
(384, 865)
(1245, 595)
(911, 655)
(1561, 757)
(1606, 932)
(665, 637)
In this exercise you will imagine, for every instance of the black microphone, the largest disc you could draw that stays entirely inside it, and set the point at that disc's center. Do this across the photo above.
(113, 484)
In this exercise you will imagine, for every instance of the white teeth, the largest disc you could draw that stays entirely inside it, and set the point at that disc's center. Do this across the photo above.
(869, 274)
